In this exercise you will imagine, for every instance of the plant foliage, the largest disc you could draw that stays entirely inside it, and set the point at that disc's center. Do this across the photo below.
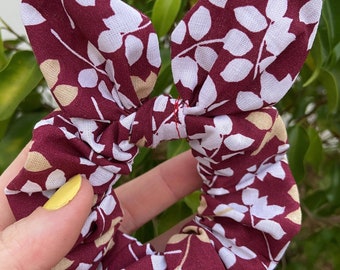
(310, 109)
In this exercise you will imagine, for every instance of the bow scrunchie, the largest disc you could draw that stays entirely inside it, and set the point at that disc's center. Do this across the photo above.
(231, 62)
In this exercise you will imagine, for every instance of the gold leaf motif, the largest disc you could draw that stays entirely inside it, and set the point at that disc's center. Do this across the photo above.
(144, 88)
(63, 264)
(278, 130)
(36, 162)
(65, 94)
(295, 216)
(106, 237)
(177, 238)
(261, 120)
(50, 68)
(294, 193)
(202, 207)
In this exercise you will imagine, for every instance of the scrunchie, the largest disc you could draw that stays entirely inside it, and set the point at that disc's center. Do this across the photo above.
(231, 62)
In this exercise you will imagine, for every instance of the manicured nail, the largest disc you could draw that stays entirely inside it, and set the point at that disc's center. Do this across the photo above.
(64, 194)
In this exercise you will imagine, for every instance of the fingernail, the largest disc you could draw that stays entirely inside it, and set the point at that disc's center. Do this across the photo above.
(64, 194)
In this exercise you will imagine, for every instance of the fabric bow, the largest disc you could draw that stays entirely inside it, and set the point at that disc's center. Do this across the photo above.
(231, 62)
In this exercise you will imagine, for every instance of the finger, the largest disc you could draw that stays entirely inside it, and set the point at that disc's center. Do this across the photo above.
(6, 217)
(42, 239)
(153, 192)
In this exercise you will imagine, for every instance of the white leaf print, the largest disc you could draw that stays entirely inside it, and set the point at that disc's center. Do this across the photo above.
(30, 15)
(224, 210)
(109, 41)
(225, 172)
(105, 91)
(238, 142)
(185, 70)
(179, 33)
(251, 18)
(211, 138)
(243, 252)
(119, 154)
(277, 171)
(103, 175)
(133, 49)
(312, 37)
(237, 70)
(126, 102)
(248, 101)
(205, 57)
(223, 124)
(86, 129)
(153, 53)
(199, 23)
(276, 9)
(158, 262)
(88, 78)
(237, 42)
(88, 223)
(271, 227)
(277, 37)
(230, 250)
(110, 71)
(108, 204)
(310, 12)
(228, 258)
(273, 90)
(206, 97)
(94, 55)
(31, 187)
(219, 3)
(250, 196)
(118, 21)
(245, 181)
(266, 62)
(218, 191)
(86, 3)
(160, 104)
(55, 180)
(44, 122)
(261, 209)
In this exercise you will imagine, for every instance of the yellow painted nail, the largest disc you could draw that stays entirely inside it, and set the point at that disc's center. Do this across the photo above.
(64, 194)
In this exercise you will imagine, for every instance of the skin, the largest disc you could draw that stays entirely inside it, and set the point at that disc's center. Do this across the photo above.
(42, 245)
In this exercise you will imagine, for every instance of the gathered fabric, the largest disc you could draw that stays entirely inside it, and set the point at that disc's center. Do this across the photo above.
(232, 61)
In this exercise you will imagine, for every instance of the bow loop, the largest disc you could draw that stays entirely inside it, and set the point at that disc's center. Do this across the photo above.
(114, 65)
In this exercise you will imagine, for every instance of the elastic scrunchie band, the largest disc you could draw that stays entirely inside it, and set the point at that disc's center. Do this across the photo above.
(231, 62)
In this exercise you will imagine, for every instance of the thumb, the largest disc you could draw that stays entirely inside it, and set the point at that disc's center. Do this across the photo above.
(42, 239)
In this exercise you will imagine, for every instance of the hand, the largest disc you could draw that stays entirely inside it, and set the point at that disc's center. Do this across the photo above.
(21, 242)
(35, 242)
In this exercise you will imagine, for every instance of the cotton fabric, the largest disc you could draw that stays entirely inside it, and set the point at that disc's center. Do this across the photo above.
(232, 61)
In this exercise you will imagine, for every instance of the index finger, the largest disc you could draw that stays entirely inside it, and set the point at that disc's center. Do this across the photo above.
(7, 216)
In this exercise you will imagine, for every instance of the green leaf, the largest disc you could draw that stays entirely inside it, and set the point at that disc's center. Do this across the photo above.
(330, 14)
(193, 200)
(3, 58)
(314, 61)
(164, 14)
(17, 80)
(18, 134)
(336, 53)
(3, 127)
(299, 142)
(329, 82)
(176, 147)
(172, 216)
(314, 155)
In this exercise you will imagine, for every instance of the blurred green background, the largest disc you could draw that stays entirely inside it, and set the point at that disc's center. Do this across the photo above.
(310, 109)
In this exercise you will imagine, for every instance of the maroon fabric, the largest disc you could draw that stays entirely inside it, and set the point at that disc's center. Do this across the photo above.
(231, 62)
